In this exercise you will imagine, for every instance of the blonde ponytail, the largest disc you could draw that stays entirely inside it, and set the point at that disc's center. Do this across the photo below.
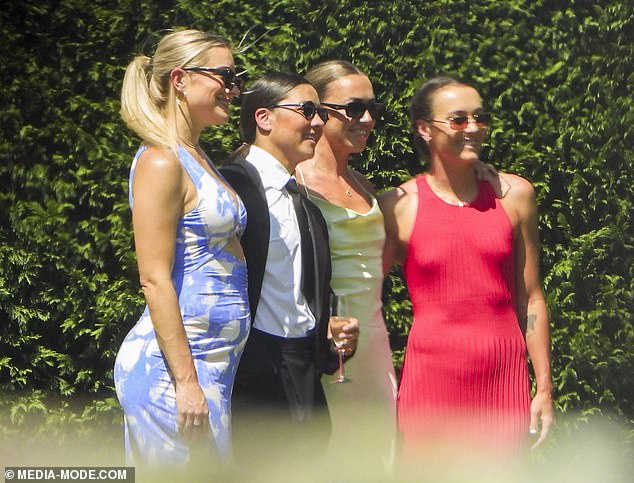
(143, 105)
(148, 99)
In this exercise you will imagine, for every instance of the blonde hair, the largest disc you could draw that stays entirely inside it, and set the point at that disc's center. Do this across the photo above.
(148, 99)
(322, 74)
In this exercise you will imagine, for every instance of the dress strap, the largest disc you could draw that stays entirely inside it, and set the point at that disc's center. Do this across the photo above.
(194, 170)
(303, 181)
(368, 196)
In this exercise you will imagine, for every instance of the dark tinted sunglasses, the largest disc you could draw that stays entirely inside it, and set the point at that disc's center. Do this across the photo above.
(229, 77)
(460, 123)
(356, 109)
(307, 109)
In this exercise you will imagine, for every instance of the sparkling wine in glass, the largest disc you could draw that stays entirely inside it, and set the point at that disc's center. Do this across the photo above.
(337, 323)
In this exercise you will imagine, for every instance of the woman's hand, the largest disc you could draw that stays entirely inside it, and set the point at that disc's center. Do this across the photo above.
(191, 407)
(542, 414)
(348, 334)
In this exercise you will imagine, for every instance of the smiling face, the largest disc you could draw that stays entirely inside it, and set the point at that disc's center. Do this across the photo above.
(207, 98)
(285, 132)
(444, 142)
(345, 135)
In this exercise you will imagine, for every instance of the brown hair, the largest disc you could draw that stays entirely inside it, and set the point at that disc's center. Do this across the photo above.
(322, 74)
(420, 106)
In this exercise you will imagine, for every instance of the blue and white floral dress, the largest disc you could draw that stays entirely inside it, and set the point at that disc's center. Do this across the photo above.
(211, 285)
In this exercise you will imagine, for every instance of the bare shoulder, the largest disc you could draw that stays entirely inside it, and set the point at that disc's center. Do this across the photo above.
(401, 191)
(158, 161)
(159, 171)
(410, 186)
(399, 206)
(399, 198)
(515, 187)
(518, 197)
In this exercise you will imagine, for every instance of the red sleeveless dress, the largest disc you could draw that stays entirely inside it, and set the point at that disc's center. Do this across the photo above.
(465, 374)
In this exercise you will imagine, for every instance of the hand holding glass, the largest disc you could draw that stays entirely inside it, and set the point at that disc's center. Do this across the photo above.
(337, 324)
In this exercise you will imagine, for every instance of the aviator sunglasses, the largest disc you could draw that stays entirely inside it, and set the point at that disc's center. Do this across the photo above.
(229, 77)
(356, 109)
(460, 123)
(307, 109)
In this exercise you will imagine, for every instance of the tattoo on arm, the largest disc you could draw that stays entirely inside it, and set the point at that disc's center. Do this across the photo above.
(530, 321)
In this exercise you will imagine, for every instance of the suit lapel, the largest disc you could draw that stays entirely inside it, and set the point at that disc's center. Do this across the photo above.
(245, 179)
(320, 306)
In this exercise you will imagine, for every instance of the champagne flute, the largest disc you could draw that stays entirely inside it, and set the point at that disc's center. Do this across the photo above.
(337, 323)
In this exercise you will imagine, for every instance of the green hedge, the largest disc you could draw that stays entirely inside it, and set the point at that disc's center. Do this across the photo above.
(558, 76)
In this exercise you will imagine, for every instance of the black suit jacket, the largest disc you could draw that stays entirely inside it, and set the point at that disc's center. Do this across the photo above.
(246, 181)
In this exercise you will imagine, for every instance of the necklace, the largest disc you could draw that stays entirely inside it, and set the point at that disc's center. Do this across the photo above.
(453, 199)
(348, 190)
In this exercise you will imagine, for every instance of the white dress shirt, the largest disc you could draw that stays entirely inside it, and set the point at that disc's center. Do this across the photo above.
(282, 309)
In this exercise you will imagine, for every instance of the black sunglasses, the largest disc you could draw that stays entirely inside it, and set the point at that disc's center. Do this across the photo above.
(307, 109)
(356, 109)
(460, 123)
(229, 77)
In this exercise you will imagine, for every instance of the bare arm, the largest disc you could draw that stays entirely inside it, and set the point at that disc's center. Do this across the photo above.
(531, 305)
(159, 197)
(399, 207)
(387, 203)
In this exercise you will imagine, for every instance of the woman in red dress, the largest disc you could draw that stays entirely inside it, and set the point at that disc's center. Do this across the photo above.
(470, 254)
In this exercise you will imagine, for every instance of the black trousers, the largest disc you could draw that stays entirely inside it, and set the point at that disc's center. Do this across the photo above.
(278, 398)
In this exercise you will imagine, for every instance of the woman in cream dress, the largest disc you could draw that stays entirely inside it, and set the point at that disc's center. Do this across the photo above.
(365, 407)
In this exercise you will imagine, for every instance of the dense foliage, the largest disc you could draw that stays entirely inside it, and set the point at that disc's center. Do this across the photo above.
(558, 75)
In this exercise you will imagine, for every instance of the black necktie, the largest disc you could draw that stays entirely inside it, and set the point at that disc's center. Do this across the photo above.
(308, 267)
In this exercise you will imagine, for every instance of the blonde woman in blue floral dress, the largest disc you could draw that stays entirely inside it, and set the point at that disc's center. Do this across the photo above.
(175, 369)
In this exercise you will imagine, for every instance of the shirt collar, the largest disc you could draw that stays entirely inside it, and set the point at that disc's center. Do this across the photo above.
(272, 172)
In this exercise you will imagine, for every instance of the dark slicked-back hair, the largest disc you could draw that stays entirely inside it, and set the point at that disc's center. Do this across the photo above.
(266, 91)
